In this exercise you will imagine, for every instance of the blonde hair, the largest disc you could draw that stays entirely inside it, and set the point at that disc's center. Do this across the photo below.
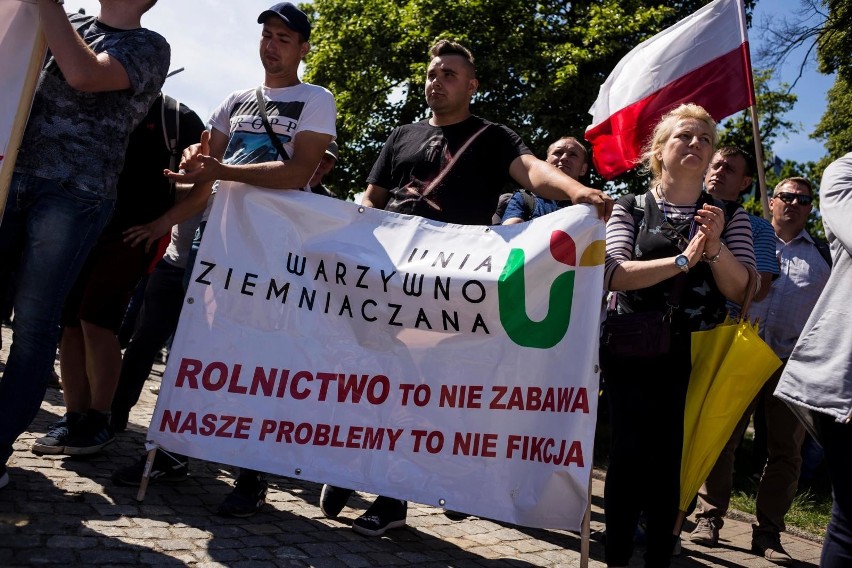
(663, 131)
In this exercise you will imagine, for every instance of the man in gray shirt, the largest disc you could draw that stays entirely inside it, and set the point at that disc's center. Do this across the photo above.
(101, 78)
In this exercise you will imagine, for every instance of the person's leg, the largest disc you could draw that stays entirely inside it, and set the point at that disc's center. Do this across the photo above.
(72, 365)
(780, 479)
(664, 402)
(629, 437)
(837, 545)
(714, 497)
(157, 320)
(103, 363)
(61, 224)
(785, 435)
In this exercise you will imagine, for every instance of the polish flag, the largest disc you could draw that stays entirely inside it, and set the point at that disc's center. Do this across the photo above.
(703, 59)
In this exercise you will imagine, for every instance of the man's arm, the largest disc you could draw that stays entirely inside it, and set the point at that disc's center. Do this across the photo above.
(514, 210)
(84, 70)
(548, 182)
(308, 148)
(213, 144)
(376, 197)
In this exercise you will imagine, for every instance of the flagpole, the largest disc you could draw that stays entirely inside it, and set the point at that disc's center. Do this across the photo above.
(758, 142)
(761, 171)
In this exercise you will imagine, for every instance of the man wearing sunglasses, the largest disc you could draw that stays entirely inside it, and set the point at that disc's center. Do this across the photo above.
(782, 315)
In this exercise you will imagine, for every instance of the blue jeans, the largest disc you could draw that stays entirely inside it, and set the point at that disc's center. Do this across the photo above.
(158, 319)
(46, 233)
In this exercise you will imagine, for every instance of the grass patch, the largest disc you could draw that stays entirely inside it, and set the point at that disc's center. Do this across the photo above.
(810, 512)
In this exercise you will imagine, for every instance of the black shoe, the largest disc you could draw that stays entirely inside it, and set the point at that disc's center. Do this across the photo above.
(768, 545)
(333, 499)
(57, 435)
(455, 515)
(90, 435)
(384, 514)
(118, 420)
(246, 499)
(165, 469)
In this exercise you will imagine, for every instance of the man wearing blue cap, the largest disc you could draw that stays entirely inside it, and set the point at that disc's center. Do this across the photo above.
(273, 136)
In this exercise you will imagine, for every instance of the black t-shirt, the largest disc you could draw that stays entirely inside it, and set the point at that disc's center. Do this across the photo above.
(144, 193)
(415, 154)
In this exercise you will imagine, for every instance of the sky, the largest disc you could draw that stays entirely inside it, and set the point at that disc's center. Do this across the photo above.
(216, 42)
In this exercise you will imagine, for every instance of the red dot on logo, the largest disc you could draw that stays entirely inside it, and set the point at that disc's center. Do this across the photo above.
(562, 248)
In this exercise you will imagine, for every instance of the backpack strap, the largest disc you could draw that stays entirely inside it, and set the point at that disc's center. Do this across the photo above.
(529, 204)
(170, 124)
(824, 251)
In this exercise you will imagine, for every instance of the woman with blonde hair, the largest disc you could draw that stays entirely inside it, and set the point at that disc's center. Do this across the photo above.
(677, 255)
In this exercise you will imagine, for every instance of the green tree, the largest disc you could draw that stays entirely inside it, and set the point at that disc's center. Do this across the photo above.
(540, 64)
(824, 26)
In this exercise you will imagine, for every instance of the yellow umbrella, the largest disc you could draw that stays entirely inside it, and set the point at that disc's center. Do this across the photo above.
(730, 364)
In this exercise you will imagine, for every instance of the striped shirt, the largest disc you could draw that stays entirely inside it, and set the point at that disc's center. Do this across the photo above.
(764, 245)
(784, 312)
(621, 230)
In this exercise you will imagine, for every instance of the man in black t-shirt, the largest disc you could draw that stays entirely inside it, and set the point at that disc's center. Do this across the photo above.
(452, 167)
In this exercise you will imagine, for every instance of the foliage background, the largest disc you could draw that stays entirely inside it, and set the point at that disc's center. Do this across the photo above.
(540, 65)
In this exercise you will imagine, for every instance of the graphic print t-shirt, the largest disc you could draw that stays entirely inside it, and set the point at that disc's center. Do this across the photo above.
(290, 110)
(415, 154)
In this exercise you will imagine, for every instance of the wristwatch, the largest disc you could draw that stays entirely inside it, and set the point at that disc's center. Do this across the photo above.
(682, 262)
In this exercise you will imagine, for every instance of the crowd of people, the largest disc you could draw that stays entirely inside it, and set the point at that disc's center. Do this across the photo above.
(82, 225)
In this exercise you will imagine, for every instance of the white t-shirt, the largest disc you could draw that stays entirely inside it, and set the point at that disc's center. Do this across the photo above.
(290, 110)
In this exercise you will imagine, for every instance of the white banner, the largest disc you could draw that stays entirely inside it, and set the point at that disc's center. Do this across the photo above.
(444, 364)
(19, 33)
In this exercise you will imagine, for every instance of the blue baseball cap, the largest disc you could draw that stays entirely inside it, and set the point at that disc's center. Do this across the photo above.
(295, 19)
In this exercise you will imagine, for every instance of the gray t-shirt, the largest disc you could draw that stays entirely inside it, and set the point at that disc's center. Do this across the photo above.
(81, 138)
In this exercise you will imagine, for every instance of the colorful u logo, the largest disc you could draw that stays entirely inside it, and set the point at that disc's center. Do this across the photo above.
(511, 291)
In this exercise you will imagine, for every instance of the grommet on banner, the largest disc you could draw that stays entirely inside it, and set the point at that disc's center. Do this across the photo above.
(362, 209)
(487, 229)
(441, 502)
(190, 301)
(597, 369)
(298, 471)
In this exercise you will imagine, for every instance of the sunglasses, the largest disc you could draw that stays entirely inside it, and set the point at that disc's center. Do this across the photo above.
(672, 234)
(789, 198)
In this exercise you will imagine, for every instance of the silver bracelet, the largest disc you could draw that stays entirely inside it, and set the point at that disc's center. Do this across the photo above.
(715, 258)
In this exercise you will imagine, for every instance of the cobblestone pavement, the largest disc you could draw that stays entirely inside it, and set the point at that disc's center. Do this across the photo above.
(65, 511)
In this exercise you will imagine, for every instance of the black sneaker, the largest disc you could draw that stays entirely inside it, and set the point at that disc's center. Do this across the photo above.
(384, 514)
(247, 498)
(455, 515)
(89, 435)
(165, 469)
(333, 499)
(57, 434)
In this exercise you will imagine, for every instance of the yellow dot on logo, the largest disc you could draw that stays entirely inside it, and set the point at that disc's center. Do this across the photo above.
(594, 254)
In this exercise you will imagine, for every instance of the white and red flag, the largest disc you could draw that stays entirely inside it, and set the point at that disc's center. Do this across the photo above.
(703, 59)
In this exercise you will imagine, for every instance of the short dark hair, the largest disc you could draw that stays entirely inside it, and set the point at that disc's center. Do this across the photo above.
(449, 47)
(796, 180)
(571, 139)
(727, 151)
